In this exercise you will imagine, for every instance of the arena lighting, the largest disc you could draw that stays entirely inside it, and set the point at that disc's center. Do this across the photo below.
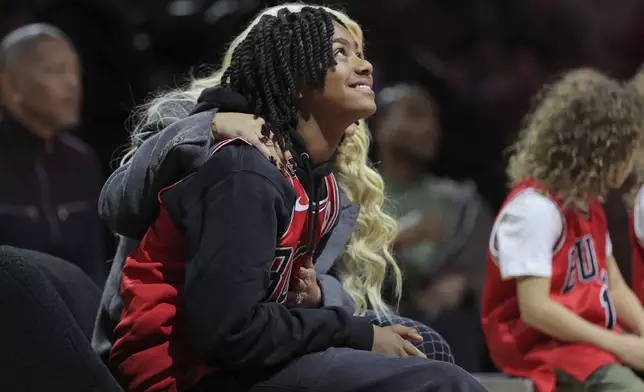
(141, 41)
(183, 8)
(220, 9)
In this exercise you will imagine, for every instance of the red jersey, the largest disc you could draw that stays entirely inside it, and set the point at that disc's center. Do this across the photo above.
(150, 352)
(579, 281)
(637, 256)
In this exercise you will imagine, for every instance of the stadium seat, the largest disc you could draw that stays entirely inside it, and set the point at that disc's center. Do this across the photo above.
(79, 293)
(498, 382)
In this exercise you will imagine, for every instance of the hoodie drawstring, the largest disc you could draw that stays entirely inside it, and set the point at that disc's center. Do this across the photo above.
(313, 192)
(311, 177)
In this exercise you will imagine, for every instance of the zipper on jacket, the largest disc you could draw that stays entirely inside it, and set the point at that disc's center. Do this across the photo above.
(45, 195)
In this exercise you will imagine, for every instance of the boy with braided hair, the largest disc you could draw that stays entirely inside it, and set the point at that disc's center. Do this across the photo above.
(203, 309)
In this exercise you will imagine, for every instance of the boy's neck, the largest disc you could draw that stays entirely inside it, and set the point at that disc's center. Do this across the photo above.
(319, 145)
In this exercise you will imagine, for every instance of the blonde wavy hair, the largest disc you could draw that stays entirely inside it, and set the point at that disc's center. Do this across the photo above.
(367, 257)
(580, 137)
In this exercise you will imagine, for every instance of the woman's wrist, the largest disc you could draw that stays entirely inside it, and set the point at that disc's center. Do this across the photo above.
(214, 132)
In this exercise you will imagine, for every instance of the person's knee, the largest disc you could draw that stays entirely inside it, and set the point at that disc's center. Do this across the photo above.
(450, 375)
(434, 346)
(618, 378)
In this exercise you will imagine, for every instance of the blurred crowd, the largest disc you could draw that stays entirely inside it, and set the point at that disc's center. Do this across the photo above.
(454, 79)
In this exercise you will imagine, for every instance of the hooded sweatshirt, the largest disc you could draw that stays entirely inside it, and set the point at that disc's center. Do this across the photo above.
(234, 197)
(128, 203)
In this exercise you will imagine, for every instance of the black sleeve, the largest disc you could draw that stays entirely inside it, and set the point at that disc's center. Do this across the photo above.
(227, 280)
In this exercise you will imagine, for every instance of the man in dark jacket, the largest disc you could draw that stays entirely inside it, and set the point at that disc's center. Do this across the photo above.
(51, 180)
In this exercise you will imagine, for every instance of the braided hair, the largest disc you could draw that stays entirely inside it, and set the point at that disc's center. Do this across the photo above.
(281, 56)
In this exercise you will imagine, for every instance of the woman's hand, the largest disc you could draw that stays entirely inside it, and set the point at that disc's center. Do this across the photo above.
(396, 340)
(304, 291)
(249, 127)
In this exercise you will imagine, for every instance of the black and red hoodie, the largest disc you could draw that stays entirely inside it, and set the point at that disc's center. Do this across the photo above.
(202, 291)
